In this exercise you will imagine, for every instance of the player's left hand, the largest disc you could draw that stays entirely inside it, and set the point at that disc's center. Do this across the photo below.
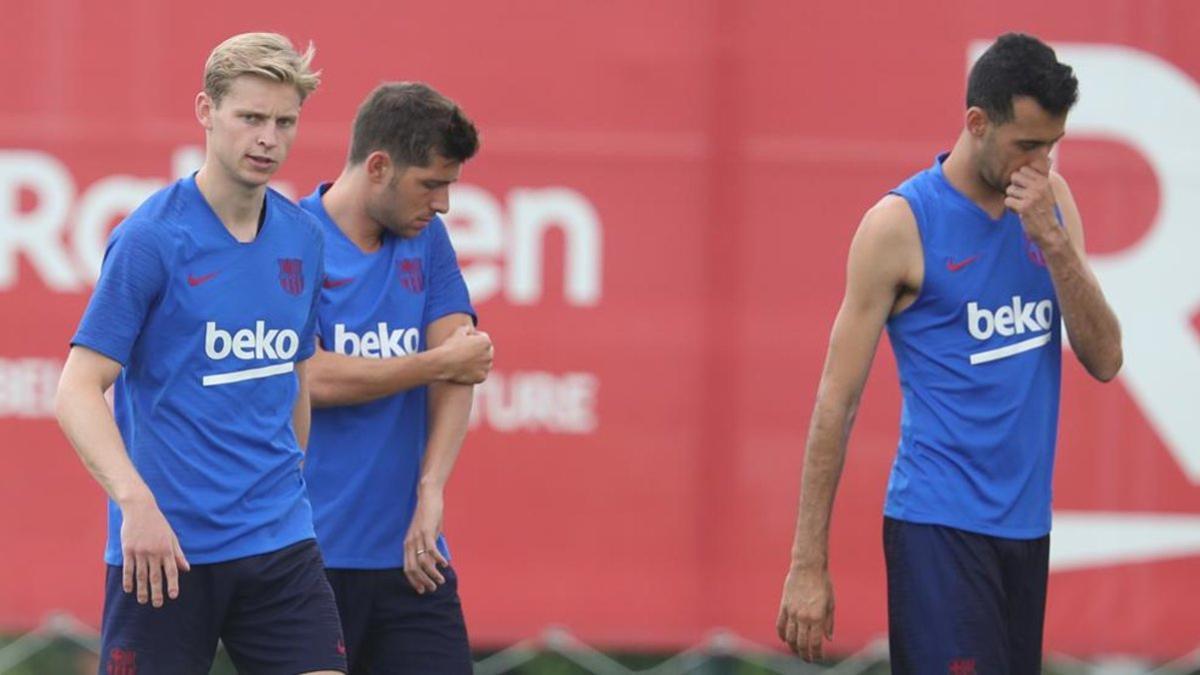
(423, 561)
(1031, 196)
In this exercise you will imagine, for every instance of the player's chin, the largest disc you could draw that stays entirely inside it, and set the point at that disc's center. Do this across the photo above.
(255, 178)
(415, 228)
(402, 231)
(999, 184)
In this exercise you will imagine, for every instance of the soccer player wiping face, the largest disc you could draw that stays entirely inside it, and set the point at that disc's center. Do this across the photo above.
(1025, 140)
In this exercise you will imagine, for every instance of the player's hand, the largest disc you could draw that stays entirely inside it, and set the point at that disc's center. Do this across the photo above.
(153, 557)
(423, 561)
(1030, 195)
(806, 612)
(468, 355)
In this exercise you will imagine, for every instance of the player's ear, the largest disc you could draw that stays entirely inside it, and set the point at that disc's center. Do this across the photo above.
(976, 121)
(204, 110)
(379, 166)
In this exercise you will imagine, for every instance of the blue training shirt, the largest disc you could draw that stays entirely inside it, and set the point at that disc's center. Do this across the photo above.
(208, 331)
(364, 461)
(979, 354)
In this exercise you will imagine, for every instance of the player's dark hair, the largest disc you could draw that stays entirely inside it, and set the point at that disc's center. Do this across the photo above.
(408, 120)
(1020, 65)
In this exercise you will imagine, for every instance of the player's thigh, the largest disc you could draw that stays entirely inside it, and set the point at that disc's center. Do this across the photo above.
(355, 591)
(412, 633)
(179, 638)
(283, 619)
(946, 608)
(1026, 568)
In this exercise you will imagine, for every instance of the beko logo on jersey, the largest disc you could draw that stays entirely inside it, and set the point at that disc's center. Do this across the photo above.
(1018, 318)
(1014, 319)
(377, 344)
(246, 345)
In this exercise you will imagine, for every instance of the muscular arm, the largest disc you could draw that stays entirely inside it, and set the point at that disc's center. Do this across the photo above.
(152, 554)
(449, 413)
(88, 424)
(337, 379)
(1092, 327)
(882, 268)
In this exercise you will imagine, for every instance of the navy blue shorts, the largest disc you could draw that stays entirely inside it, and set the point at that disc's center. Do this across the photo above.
(274, 612)
(963, 603)
(390, 629)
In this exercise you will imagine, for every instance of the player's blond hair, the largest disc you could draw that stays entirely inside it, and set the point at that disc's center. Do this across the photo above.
(266, 55)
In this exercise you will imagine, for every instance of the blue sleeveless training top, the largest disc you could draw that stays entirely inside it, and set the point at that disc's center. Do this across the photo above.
(979, 355)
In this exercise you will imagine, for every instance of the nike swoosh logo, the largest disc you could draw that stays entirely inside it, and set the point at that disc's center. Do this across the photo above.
(196, 281)
(335, 283)
(956, 266)
(1083, 539)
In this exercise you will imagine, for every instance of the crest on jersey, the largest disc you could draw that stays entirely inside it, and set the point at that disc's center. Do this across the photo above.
(410, 274)
(291, 275)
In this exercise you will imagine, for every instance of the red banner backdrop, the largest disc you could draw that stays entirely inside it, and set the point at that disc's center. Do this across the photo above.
(655, 234)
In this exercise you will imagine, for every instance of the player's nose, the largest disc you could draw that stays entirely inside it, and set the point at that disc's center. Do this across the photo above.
(268, 138)
(441, 202)
(1042, 159)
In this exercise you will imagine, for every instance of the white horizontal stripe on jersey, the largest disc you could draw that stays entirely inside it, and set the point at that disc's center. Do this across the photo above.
(249, 374)
(1010, 350)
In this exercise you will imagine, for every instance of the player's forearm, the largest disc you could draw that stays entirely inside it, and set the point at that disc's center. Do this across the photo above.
(1092, 327)
(302, 420)
(88, 424)
(449, 414)
(337, 379)
(302, 411)
(824, 457)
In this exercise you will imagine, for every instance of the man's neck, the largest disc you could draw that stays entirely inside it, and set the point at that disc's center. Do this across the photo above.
(238, 207)
(345, 204)
(961, 172)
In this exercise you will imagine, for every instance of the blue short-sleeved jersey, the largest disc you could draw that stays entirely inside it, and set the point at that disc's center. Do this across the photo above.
(209, 330)
(364, 460)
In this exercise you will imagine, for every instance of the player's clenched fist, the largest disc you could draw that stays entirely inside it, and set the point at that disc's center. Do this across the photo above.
(1031, 196)
(468, 354)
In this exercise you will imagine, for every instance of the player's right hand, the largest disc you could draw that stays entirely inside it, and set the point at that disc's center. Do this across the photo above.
(469, 355)
(806, 612)
(152, 553)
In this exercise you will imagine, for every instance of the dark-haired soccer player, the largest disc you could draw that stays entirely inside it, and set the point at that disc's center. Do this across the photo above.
(394, 317)
(203, 317)
(972, 264)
